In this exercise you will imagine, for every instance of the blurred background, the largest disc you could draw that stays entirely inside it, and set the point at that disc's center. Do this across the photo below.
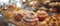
(50, 6)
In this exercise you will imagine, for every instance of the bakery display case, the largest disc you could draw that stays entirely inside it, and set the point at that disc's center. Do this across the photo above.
(30, 13)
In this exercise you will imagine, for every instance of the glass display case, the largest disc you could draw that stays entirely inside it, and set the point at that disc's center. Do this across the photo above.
(29, 13)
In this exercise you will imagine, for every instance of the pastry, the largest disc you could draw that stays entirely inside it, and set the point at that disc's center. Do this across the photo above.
(42, 15)
(18, 17)
(30, 20)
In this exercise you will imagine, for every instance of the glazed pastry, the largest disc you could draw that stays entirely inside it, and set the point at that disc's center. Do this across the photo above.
(32, 3)
(53, 21)
(20, 14)
(23, 12)
(42, 15)
(18, 17)
(30, 20)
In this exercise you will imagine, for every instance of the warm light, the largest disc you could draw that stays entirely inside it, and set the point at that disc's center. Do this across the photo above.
(24, 0)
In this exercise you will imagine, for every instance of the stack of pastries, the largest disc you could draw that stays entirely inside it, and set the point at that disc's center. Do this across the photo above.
(30, 20)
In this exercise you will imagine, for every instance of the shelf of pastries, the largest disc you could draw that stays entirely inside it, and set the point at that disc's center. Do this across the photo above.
(29, 18)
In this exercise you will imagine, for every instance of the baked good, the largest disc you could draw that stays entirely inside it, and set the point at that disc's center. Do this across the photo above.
(12, 8)
(42, 15)
(23, 12)
(30, 20)
(18, 17)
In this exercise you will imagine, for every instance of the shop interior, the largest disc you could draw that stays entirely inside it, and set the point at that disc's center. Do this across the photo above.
(29, 12)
